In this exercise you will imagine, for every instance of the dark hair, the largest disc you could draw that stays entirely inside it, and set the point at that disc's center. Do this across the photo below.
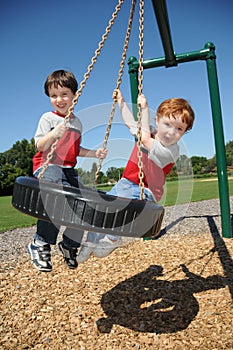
(62, 78)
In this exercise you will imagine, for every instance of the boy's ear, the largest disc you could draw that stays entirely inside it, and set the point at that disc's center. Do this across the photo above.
(156, 119)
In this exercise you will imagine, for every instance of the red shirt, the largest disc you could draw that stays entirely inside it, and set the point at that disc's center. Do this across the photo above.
(154, 176)
(67, 148)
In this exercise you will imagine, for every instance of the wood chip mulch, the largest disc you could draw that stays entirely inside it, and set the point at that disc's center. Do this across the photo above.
(175, 292)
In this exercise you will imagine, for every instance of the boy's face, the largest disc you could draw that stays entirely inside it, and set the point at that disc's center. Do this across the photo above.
(61, 98)
(170, 130)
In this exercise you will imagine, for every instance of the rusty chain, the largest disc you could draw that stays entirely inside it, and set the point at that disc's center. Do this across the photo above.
(140, 88)
(118, 84)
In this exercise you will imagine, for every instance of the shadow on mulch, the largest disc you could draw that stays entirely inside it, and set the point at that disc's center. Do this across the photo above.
(219, 245)
(146, 303)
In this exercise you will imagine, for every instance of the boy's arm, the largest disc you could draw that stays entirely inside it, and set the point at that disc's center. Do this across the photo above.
(131, 122)
(125, 111)
(145, 119)
(46, 141)
(91, 153)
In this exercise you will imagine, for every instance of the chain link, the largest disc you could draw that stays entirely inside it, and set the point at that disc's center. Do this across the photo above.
(83, 83)
(140, 88)
(118, 84)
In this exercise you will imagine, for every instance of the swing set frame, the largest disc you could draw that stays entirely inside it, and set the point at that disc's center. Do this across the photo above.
(171, 59)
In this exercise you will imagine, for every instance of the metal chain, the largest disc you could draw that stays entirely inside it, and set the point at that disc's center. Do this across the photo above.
(83, 83)
(140, 88)
(118, 84)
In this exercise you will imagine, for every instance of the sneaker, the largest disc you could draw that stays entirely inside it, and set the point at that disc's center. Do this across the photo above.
(40, 256)
(106, 246)
(69, 255)
(85, 252)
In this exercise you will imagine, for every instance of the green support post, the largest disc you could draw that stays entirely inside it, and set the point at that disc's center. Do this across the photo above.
(219, 141)
(133, 74)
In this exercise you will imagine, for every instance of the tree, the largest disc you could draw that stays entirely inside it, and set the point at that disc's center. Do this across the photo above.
(8, 174)
(229, 153)
(211, 165)
(20, 155)
(198, 164)
(15, 162)
(114, 173)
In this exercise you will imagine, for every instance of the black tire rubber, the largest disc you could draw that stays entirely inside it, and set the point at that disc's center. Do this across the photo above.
(87, 209)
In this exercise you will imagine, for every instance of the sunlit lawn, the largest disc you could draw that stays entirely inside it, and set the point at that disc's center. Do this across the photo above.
(192, 191)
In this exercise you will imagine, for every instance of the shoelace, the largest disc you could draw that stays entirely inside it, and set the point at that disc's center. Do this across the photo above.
(44, 253)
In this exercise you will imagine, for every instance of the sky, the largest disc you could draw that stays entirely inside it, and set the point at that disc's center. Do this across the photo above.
(38, 37)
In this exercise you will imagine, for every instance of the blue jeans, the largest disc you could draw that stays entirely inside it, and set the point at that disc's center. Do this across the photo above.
(127, 189)
(47, 231)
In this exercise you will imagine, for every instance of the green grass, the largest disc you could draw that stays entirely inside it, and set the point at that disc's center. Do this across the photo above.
(175, 193)
(11, 218)
(198, 190)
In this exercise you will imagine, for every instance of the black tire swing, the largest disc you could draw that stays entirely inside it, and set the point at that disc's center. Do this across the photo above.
(85, 208)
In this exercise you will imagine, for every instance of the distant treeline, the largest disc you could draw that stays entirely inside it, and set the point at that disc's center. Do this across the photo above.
(17, 161)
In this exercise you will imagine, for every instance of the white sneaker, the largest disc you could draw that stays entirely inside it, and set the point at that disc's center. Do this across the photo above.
(106, 246)
(85, 252)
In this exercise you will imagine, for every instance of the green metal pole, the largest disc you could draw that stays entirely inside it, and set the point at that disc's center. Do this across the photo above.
(133, 74)
(160, 9)
(219, 142)
(180, 58)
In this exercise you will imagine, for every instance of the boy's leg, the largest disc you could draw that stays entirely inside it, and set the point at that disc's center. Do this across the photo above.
(108, 243)
(88, 246)
(106, 246)
(39, 249)
(127, 189)
(69, 246)
(47, 232)
(71, 238)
